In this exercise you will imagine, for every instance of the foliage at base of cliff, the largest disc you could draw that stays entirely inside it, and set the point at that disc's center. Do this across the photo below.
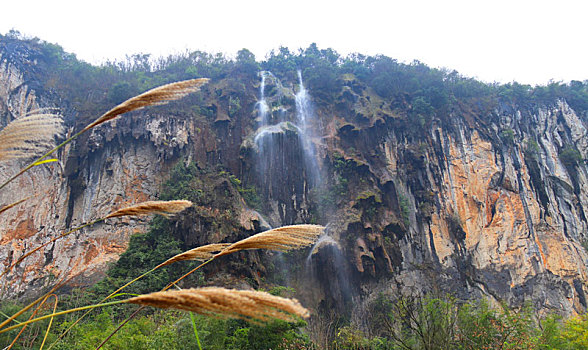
(161, 330)
(445, 323)
(407, 323)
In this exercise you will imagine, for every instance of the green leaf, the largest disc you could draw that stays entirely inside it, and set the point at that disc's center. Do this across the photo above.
(195, 330)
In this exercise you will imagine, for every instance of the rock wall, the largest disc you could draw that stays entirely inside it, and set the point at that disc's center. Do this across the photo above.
(469, 208)
(117, 164)
(477, 203)
(61, 199)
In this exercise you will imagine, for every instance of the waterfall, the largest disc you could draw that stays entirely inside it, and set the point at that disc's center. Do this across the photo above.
(304, 108)
(325, 263)
(261, 105)
(305, 117)
(288, 169)
(287, 164)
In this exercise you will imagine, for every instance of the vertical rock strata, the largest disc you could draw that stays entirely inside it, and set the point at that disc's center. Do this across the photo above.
(497, 219)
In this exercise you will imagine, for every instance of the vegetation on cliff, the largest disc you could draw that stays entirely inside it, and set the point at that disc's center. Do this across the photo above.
(416, 88)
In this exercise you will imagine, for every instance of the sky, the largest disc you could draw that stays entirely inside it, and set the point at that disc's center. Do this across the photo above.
(531, 42)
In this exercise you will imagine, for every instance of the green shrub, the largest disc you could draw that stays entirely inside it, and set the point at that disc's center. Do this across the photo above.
(574, 333)
(570, 157)
(507, 136)
(404, 205)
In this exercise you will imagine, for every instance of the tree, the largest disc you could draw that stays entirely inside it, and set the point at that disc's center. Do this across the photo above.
(246, 63)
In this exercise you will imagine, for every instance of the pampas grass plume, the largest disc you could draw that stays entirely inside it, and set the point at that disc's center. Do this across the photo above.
(157, 96)
(200, 253)
(227, 303)
(282, 239)
(164, 208)
(29, 135)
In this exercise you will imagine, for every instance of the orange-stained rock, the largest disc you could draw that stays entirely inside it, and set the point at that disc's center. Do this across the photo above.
(23, 230)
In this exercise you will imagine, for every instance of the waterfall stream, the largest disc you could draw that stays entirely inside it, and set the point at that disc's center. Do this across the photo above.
(289, 167)
(306, 120)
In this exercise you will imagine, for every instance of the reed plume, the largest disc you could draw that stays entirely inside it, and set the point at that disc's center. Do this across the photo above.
(200, 253)
(227, 303)
(164, 208)
(253, 306)
(29, 135)
(282, 238)
(156, 96)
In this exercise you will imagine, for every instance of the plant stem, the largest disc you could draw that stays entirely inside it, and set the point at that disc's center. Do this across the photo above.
(103, 300)
(195, 330)
(164, 289)
(120, 326)
(41, 158)
(20, 312)
(9, 268)
(23, 328)
(88, 307)
(187, 274)
(50, 323)
(24, 309)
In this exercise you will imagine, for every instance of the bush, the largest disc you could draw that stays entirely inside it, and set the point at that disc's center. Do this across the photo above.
(508, 136)
(424, 322)
(570, 157)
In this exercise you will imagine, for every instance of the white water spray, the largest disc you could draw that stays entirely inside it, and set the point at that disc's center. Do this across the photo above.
(305, 117)
(262, 105)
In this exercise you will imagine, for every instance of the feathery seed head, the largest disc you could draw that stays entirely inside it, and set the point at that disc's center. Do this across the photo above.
(164, 208)
(200, 253)
(254, 306)
(282, 238)
(30, 135)
(157, 96)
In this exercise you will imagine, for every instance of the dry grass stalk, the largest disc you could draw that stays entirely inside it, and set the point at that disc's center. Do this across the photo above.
(24, 137)
(156, 96)
(164, 208)
(282, 238)
(227, 303)
(9, 206)
(200, 253)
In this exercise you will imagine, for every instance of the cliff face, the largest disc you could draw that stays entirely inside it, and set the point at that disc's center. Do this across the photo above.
(481, 202)
(491, 229)
(111, 178)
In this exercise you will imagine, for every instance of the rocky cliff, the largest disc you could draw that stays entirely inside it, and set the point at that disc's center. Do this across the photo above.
(485, 198)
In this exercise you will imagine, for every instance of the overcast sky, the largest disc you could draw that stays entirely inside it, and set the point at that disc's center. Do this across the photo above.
(498, 40)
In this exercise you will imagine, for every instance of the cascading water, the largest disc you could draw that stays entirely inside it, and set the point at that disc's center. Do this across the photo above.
(277, 155)
(326, 267)
(304, 109)
(325, 263)
(305, 117)
(261, 105)
(288, 169)
(287, 166)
